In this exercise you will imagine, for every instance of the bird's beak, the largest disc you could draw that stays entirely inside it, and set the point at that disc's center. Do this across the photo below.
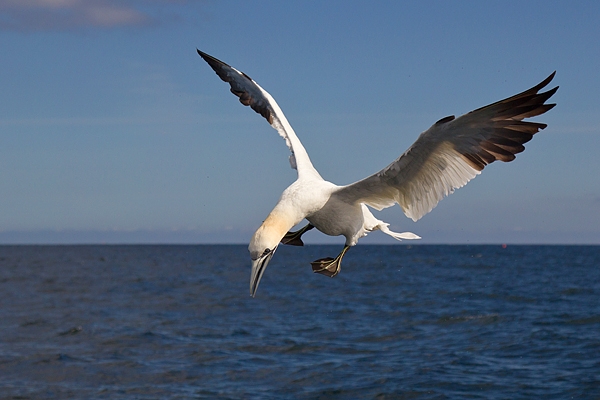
(258, 269)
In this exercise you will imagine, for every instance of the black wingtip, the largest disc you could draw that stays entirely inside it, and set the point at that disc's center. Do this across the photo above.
(548, 79)
(202, 54)
(552, 91)
(213, 61)
(540, 85)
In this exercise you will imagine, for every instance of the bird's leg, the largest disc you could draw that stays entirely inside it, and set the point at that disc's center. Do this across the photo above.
(294, 238)
(329, 266)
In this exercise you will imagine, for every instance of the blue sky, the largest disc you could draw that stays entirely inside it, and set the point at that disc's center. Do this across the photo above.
(113, 130)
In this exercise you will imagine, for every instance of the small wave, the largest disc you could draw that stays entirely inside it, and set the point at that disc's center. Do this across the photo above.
(482, 318)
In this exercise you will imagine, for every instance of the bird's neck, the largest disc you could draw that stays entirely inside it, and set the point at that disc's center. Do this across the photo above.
(278, 223)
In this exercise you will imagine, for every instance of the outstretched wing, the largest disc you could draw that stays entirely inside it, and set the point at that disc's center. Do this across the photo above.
(451, 153)
(251, 94)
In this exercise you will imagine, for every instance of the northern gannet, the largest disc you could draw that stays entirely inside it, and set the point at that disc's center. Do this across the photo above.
(444, 158)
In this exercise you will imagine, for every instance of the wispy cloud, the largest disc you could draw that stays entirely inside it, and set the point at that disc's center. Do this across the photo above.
(63, 15)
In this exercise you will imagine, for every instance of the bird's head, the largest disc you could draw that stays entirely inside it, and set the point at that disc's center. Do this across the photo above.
(263, 245)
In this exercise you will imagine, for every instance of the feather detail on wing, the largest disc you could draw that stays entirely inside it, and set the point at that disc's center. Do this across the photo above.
(451, 153)
(251, 94)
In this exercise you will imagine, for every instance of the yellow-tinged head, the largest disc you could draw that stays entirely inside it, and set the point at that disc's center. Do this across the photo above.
(263, 244)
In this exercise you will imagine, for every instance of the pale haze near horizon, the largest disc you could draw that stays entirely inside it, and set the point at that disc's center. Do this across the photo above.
(113, 130)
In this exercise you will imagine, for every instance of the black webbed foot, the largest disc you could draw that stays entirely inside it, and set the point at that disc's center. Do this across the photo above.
(329, 266)
(295, 238)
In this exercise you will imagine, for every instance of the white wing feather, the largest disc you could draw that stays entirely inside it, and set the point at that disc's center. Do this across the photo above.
(251, 94)
(451, 153)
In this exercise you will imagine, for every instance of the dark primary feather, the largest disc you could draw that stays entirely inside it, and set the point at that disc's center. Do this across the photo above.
(452, 152)
(241, 85)
(503, 131)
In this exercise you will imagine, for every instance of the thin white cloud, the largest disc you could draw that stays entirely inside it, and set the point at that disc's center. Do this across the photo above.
(37, 3)
(63, 15)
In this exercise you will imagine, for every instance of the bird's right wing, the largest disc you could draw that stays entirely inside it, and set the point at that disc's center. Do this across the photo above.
(251, 94)
(451, 153)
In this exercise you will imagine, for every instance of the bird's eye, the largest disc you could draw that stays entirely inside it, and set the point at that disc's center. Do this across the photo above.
(267, 251)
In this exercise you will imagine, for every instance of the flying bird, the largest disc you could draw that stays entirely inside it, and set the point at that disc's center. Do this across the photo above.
(444, 158)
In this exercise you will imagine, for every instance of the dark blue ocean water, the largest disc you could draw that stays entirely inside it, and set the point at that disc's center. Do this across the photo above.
(399, 322)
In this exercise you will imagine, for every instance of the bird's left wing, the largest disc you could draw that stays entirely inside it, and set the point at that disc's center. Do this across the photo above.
(251, 94)
(451, 153)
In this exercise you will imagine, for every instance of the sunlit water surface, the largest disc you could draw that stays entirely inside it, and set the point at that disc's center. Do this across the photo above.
(399, 322)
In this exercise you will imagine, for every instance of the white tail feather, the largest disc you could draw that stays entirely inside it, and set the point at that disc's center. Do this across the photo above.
(398, 236)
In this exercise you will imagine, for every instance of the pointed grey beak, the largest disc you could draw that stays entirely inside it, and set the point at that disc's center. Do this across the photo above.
(258, 269)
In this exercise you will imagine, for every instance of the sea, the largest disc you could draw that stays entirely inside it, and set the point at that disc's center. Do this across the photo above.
(398, 322)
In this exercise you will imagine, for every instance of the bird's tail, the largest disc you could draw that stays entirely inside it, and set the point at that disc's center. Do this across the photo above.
(383, 227)
(372, 224)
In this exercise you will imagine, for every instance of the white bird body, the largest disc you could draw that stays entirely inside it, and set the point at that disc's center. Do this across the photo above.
(314, 199)
(337, 217)
(444, 158)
